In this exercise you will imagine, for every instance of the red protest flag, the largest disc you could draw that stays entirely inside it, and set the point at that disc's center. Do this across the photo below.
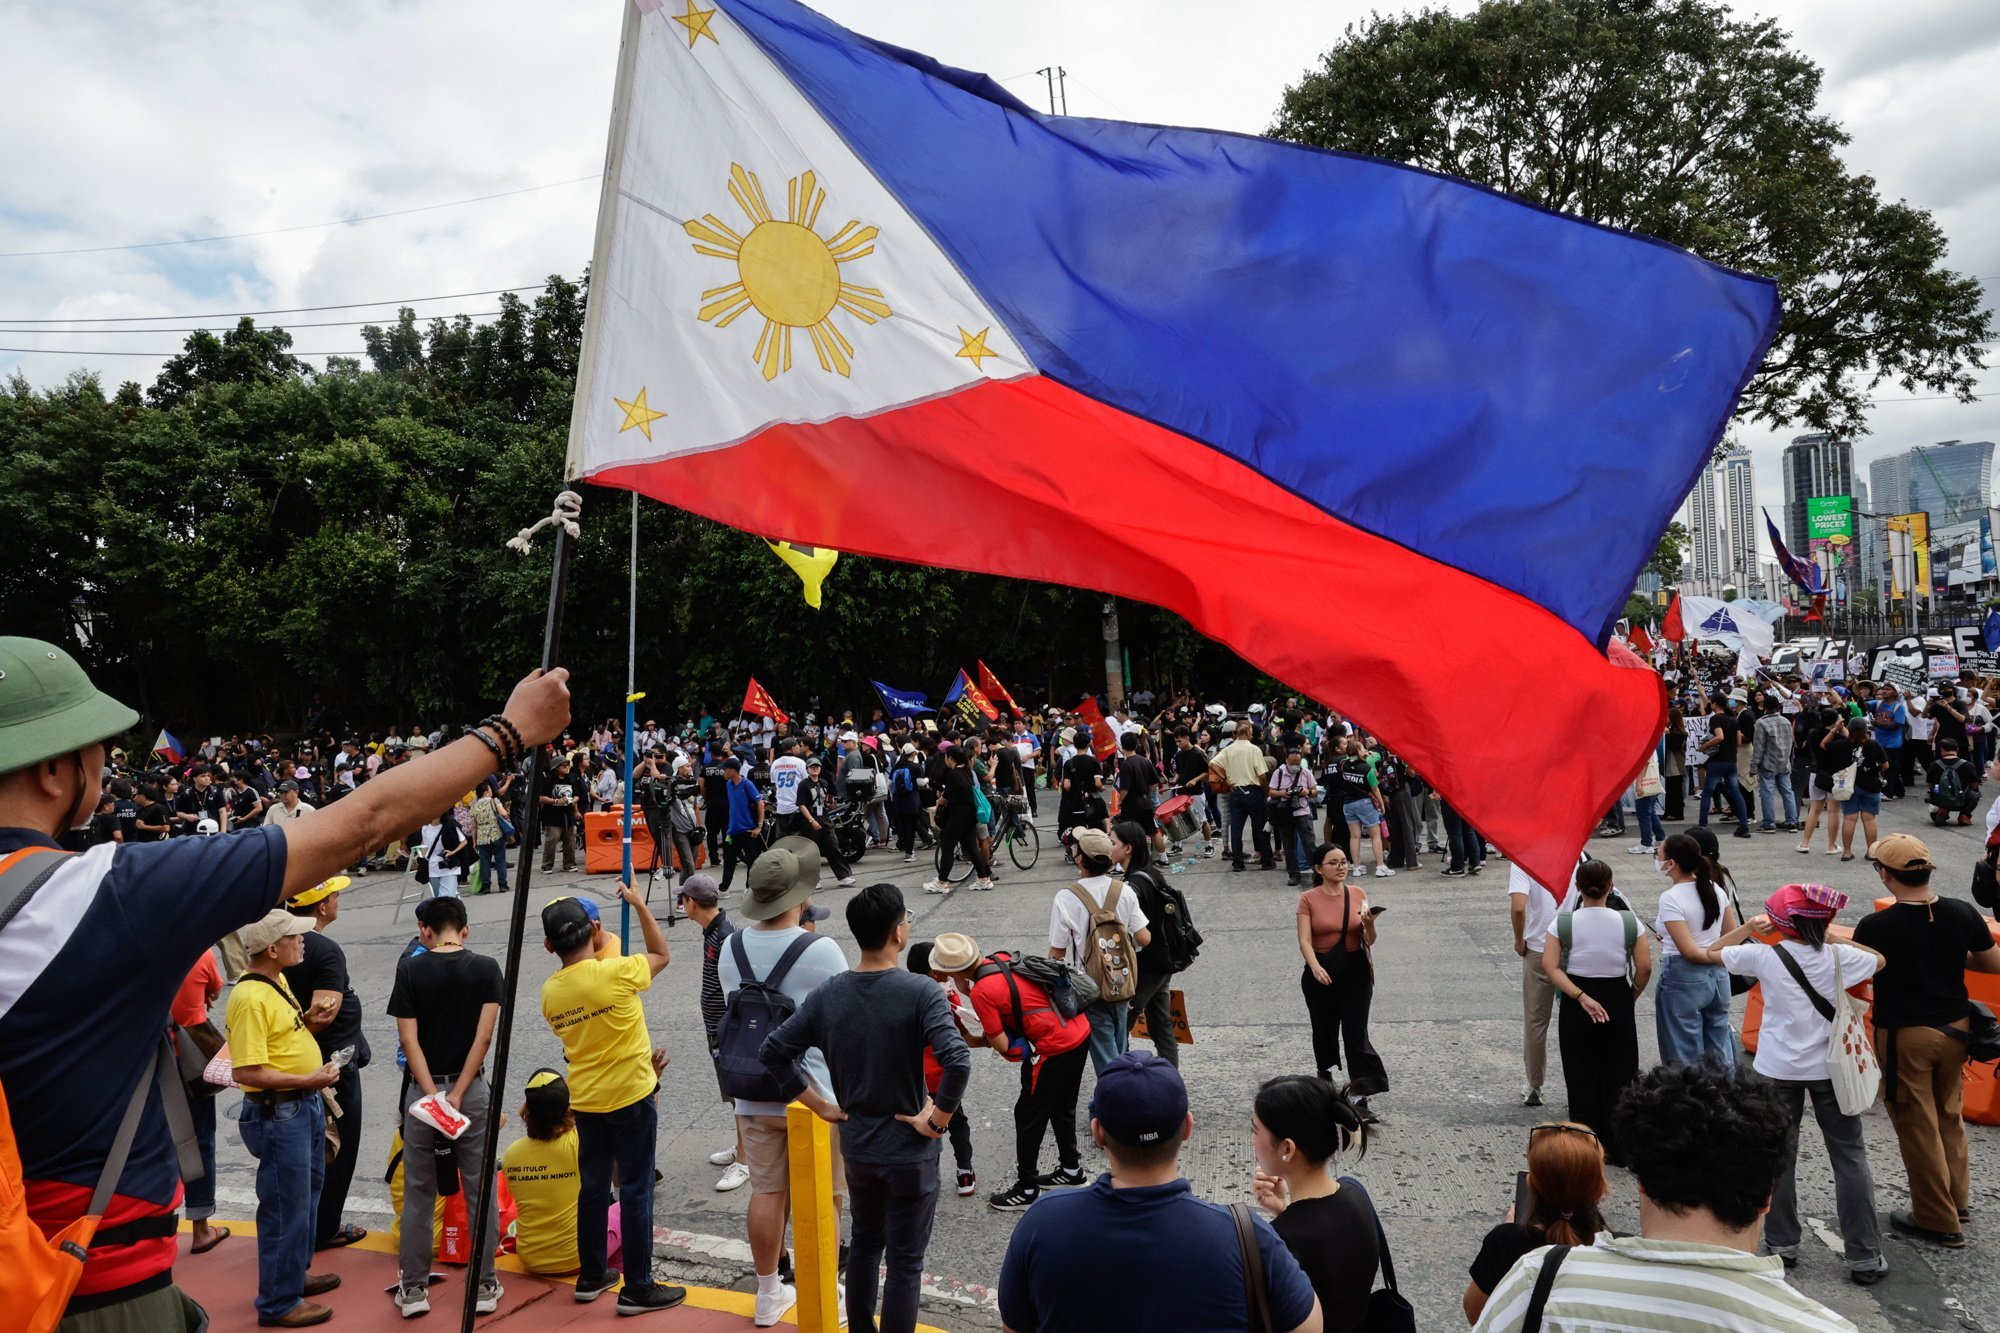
(994, 690)
(1670, 628)
(1104, 741)
(758, 700)
(1642, 642)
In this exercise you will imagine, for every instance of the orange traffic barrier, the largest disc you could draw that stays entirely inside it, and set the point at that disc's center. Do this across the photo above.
(604, 843)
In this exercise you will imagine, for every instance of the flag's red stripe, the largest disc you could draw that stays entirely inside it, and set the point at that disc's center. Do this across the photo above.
(1526, 728)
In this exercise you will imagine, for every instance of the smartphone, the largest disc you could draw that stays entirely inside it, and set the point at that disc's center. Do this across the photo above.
(1524, 1198)
(1377, 911)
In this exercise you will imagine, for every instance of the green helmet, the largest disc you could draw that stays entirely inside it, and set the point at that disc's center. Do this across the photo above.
(48, 706)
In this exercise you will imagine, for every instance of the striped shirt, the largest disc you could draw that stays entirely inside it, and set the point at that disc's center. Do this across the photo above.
(1635, 1285)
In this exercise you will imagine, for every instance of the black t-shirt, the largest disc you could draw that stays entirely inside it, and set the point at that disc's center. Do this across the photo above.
(1334, 1241)
(444, 992)
(1350, 777)
(1081, 773)
(1136, 778)
(1869, 776)
(1190, 768)
(241, 803)
(325, 968)
(955, 792)
(127, 811)
(1006, 766)
(1830, 755)
(151, 823)
(715, 783)
(1497, 1253)
(566, 785)
(1153, 960)
(103, 827)
(1923, 981)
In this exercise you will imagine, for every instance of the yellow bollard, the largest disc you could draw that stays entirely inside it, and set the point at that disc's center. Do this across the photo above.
(815, 1224)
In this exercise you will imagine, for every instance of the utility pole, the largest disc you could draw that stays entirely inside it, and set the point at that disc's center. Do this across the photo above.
(1058, 81)
(1114, 655)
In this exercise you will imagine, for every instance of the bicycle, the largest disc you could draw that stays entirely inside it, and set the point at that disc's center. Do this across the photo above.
(1015, 831)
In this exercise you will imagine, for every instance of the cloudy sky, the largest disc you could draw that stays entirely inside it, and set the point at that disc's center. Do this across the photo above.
(131, 124)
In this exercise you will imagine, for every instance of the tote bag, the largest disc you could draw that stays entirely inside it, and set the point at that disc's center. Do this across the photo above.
(1850, 1055)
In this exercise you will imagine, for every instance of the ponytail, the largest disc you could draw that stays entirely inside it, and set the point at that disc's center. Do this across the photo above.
(1566, 1174)
(1706, 872)
(1313, 1114)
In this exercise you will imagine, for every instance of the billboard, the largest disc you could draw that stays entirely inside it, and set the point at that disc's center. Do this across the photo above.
(1829, 516)
(1962, 553)
(1909, 555)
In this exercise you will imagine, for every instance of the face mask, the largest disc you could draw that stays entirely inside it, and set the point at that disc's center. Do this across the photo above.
(1664, 866)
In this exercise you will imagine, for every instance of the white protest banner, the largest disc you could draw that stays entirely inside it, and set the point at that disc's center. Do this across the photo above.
(1697, 733)
(1943, 666)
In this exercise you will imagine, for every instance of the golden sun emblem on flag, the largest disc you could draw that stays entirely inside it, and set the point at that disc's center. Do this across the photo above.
(787, 272)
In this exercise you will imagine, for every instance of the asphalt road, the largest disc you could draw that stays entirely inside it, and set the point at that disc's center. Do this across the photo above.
(1446, 1020)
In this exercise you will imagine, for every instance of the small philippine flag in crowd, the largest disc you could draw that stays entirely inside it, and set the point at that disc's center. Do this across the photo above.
(170, 745)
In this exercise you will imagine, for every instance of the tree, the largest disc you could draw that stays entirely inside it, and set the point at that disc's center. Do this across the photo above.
(1670, 554)
(1675, 119)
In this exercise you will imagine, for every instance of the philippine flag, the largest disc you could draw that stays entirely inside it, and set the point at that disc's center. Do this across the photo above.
(1326, 408)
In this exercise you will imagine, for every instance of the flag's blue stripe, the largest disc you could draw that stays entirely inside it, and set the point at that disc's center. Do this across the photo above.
(1521, 395)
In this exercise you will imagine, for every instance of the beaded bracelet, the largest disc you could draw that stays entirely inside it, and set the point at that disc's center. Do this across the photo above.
(499, 759)
(500, 724)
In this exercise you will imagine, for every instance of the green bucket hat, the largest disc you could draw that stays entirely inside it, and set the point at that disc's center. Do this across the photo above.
(48, 706)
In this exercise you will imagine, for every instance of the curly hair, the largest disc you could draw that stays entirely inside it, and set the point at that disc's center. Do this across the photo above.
(1701, 1136)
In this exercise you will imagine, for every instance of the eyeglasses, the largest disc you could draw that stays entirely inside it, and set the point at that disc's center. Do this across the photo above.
(1559, 1128)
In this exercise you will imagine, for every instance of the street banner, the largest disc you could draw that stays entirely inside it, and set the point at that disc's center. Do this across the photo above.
(1942, 666)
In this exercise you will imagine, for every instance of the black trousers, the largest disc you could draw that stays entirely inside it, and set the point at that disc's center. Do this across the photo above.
(1154, 1001)
(1339, 1011)
(960, 1131)
(1600, 1060)
(1049, 1089)
(716, 821)
(891, 1207)
(1677, 796)
(795, 824)
(340, 1170)
(958, 832)
(743, 847)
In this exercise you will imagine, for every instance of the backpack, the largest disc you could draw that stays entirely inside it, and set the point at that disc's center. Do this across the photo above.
(38, 1273)
(753, 1012)
(1109, 959)
(903, 779)
(1173, 925)
(1951, 787)
(1069, 990)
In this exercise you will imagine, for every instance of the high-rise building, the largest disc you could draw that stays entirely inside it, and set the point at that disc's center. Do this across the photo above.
(1952, 481)
(1815, 465)
(1889, 484)
(1722, 525)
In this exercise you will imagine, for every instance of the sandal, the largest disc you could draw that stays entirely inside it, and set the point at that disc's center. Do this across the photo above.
(347, 1235)
(221, 1234)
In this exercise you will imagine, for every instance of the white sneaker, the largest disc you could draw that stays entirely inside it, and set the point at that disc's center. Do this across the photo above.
(486, 1302)
(1639, 849)
(723, 1158)
(846, 883)
(771, 1308)
(910, 860)
(735, 1177)
(1383, 872)
(413, 1299)
(937, 886)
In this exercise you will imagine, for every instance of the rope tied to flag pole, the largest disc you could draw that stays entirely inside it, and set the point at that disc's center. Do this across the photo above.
(567, 510)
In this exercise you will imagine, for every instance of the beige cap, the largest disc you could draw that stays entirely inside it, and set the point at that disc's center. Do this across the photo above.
(273, 926)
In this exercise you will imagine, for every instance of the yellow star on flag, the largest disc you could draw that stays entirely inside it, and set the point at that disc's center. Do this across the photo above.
(696, 22)
(638, 414)
(975, 346)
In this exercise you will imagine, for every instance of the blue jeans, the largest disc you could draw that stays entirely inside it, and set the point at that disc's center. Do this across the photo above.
(289, 1142)
(1467, 847)
(621, 1139)
(1769, 787)
(1691, 1011)
(1722, 775)
(1652, 831)
(892, 1207)
(1110, 1032)
(493, 866)
(199, 1204)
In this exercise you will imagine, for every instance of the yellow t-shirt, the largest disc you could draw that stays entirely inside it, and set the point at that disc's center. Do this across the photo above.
(266, 1028)
(594, 1008)
(1242, 763)
(542, 1175)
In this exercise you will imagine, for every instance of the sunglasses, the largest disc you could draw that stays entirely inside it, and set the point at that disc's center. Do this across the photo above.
(1559, 1129)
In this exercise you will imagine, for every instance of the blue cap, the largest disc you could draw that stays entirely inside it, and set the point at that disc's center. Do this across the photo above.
(1140, 1099)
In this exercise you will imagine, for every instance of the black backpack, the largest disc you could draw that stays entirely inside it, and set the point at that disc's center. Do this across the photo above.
(1173, 923)
(753, 1012)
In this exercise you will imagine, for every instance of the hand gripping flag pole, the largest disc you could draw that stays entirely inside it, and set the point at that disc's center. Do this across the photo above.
(563, 518)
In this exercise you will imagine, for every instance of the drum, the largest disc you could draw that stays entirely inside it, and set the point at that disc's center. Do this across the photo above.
(1177, 819)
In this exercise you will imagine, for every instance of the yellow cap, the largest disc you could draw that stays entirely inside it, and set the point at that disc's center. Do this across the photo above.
(324, 889)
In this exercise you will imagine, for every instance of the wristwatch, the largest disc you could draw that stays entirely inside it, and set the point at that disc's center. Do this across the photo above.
(936, 1128)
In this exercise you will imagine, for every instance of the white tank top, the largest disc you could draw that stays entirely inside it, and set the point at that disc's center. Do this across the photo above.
(1596, 943)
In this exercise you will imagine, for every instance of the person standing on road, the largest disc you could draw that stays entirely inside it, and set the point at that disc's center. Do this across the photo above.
(957, 823)
(445, 1001)
(558, 798)
(1890, 718)
(1132, 853)
(1336, 932)
(490, 838)
(1599, 962)
(744, 821)
(1771, 759)
(1691, 1003)
(592, 1002)
(1827, 753)
(698, 902)
(1179, 1261)
(1862, 807)
(1291, 809)
(333, 1016)
(92, 995)
(1106, 951)
(1726, 736)
(1298, 1126)
(875, 1024)
(1244, 770)
(1927, 943)
(1531, 909)
(277, 1063)
(1791, 1053)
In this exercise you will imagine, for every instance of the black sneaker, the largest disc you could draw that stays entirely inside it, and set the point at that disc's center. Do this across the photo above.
(1013, 1200)
(1068, 1175)
(1905, 1223)
(589, 1288)
(1449, 873)
(1868, 1277)
(653, 1296)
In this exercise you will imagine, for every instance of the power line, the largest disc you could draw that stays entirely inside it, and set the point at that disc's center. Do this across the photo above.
(204, 328)
(292, 310)
(160, 356)
(304, 226)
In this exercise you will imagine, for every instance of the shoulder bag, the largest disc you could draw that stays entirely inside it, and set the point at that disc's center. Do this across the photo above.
(1843, 782)
(1850, 1055)
(1389, 1311)
(1545, 1282)
(1738, 985)
(1256, 1290)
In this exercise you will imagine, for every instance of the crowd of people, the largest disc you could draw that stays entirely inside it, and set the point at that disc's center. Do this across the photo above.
(882, 1047)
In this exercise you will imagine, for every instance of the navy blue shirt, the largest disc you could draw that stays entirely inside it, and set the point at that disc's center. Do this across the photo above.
(102, 949)
(1153, 1257)
(743, 798)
